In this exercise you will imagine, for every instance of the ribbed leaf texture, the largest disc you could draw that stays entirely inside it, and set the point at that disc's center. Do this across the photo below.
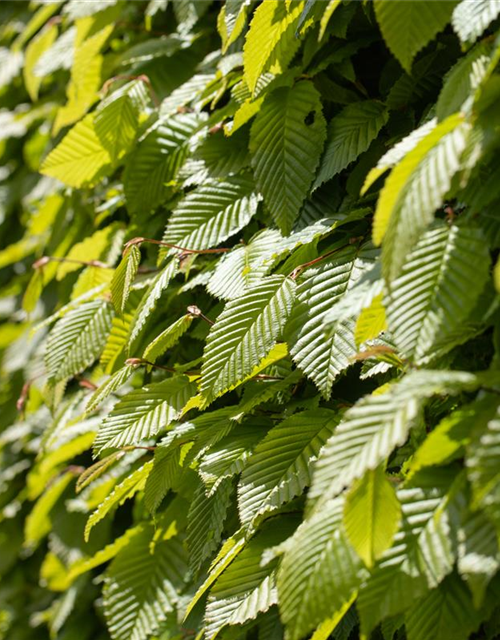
(206, 518)
(450, 265)
(244, 334)
(375, 425)
(446, 613)
(320, 358)
(144, 412)
(349, 135)
(415, 189)
(150, 300)
(156, 161)
(319, 573)
(244, 267)
(168, 338)
(421, 556)
(482, 463)
(77, 339)
(470, 19)
(281, 465)
(212, 213)
(286, 142)
(111, 385)
(409, 27)
(79, 158)
(123, 491)
(123, 278)
(271, 42)
(142, 585)
(246, 588)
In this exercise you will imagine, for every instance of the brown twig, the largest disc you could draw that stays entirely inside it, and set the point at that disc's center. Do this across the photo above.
(124, 76)
(298, 270)
(194, 311)
(141, 240)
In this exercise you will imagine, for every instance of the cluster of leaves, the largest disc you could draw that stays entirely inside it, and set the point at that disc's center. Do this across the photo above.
(249, 306)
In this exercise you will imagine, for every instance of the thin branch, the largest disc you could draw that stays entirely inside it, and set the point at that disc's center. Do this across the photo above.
(194, 311)
(298, 270)
(141, 240)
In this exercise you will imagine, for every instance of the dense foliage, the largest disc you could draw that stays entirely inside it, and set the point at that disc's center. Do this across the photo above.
(250, 314)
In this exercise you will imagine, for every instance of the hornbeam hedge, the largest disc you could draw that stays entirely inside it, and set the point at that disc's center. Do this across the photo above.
(250, 320)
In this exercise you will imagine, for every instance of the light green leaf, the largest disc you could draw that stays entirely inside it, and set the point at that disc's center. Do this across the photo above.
(80, 158)
(245, 266)
(117, 380)
(286, 142)
(38, 523)
(246, 588)
(323, 359)
(150, 300)
(415, 189)
(123, 278)
(244, 334)
(168, 338)
(40, 43)
(372, 514)
(271, 43)
(376, 425)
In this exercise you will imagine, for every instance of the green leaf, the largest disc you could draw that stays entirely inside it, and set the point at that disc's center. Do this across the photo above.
(478, 554)
(415, 189)
(229, 455)
(439, 285)
(463, 80)
(244, 267)
(319, 358)
(376, 424)
(143, 413)
(482, 462)
(117, 380)
(408, 27)
(80, 158)
(77, 339)
(271, 43)
(122, 492)
(421, 556)
(212, 213)
(286, 142)
(246, 588)
(293, 447)
(167, 339)
(117, 117)
(142, 586)
(350, 133)
(123, 278)
(372, 515)
(244, 334)
(446, 613)
(319, 573)
(470, 19)
(206, 518)
(156, 161)
(149, 301)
